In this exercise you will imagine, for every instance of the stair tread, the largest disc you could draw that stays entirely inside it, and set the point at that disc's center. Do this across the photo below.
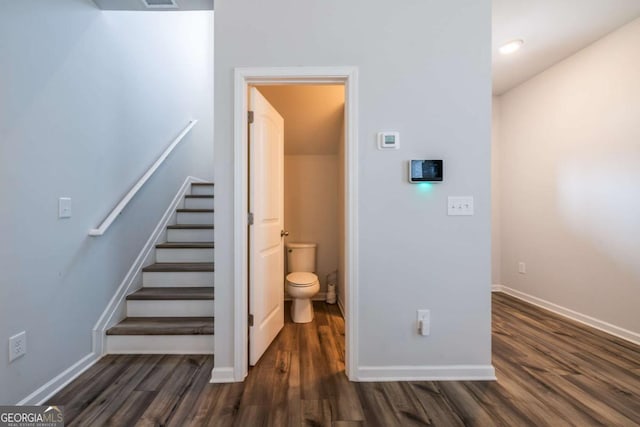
(195, 210)
(202, 183)
(190, 226)
(163, 326)
(170, 294)
(168, 267)
(199, 196)
(185, 245)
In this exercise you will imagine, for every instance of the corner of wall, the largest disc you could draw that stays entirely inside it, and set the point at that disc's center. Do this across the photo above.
(222, 375)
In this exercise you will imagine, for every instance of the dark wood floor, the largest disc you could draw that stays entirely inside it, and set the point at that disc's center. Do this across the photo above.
(551, 372)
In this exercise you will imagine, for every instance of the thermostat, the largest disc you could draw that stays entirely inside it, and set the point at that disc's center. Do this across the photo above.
(425, 171)
(388, 140)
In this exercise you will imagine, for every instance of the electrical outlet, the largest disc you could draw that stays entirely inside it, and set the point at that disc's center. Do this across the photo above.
(17, 346)
(522, 268)
(424, 322)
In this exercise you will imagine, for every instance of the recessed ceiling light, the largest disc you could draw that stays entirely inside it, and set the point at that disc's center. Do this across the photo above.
(511, 47)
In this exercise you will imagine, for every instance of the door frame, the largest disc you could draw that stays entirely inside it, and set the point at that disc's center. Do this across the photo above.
(243, 78)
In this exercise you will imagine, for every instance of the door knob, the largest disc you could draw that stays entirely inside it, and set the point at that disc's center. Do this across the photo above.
(284, 233)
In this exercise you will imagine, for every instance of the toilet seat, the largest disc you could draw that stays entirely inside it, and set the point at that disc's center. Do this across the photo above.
(301, 279)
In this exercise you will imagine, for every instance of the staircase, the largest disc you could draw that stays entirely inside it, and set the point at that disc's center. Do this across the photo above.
(173, 311)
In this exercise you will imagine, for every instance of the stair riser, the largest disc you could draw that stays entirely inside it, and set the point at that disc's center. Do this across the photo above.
(195, 218)
(189, 235)
(170, 308)
(177, 279)
(184, 255)
(198, 203)
(159, 344)
(202, 190)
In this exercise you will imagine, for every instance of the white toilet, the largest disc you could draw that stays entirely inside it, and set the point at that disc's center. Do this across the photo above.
(302, 283)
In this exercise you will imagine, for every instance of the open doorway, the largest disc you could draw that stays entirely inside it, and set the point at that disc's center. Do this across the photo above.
(296, 199)
(344, 166)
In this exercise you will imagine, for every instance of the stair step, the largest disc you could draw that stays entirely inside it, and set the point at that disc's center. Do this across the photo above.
(194, 216)
(204, 188)
(198, 196)
(185, 245)
(178, 267)
(198, 202)
(171, 302)
(163, 326)
(161, 335)
(175, 279)
(159, 344)
(170, 308)
(190, 233)
(185, 252)
(186, 293)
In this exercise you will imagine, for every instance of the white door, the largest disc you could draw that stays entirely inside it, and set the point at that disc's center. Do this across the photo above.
(266, 202)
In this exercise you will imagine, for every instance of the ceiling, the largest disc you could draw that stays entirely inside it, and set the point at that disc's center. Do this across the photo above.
(552, 30)
(313, 116)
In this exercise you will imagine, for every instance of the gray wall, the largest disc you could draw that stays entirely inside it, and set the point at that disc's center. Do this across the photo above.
(424, 71)
(89, 100)
(570, 182)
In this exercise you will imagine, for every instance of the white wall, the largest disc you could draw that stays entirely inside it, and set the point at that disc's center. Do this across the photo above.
(89, 100)
(570, 174)
(424, 70)
(311, 207)
(496, 250)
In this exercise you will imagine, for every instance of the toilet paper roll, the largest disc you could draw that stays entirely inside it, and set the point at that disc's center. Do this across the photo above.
(331, 293)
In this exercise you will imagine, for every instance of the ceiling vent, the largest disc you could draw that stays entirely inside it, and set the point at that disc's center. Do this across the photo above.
(160, 4)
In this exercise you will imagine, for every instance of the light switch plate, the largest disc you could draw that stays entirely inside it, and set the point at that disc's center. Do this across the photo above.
(460, 205)
(424, 322)
(64, 207)
(522, 268)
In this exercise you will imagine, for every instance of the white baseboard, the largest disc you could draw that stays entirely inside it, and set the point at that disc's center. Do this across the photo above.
(427, 373)
(222, 375)
(340, 306)
(603, 326)
(47, 391)
(115, 310)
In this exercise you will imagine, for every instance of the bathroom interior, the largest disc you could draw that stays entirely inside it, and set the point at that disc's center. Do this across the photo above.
(313, 201)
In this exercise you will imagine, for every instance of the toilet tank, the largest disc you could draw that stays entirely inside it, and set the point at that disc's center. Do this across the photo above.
(301, 257)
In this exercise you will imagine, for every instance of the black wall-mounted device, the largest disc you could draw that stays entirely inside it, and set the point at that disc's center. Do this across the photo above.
(425, 171)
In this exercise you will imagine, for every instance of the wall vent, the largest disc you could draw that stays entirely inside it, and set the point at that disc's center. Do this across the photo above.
(160, 4)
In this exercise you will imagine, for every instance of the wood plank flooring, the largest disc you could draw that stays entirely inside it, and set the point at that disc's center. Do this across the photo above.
(551, 372)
